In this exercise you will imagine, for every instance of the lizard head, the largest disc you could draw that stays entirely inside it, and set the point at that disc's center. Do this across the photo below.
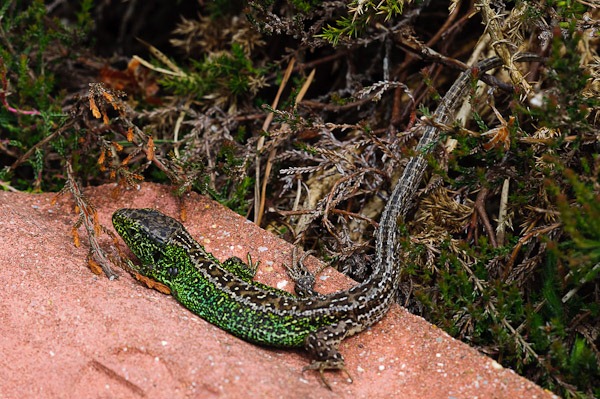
(154, 238)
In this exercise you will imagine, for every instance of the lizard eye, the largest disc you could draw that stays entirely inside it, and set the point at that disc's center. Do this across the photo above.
(172, 271)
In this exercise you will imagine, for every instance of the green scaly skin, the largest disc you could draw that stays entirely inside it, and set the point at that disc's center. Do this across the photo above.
(224, 294)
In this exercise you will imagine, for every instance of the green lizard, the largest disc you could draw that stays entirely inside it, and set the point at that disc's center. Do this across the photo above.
(224, 294)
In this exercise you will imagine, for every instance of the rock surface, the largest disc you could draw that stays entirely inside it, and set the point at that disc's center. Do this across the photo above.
(67, 333)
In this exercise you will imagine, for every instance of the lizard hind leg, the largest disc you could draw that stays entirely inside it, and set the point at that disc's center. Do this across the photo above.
(304, 280)
(322, 345)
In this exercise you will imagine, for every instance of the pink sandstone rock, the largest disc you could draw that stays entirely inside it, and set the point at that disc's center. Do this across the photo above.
(67, 333)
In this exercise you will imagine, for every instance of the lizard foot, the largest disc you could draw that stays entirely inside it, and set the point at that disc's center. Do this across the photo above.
(327, 365)
(304, 280)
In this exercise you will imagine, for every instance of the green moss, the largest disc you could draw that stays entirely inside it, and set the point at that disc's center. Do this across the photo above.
(33, 107)
(362, 15)
(226, 75)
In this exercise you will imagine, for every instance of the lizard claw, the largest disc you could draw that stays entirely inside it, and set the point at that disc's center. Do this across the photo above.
(327, 365)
